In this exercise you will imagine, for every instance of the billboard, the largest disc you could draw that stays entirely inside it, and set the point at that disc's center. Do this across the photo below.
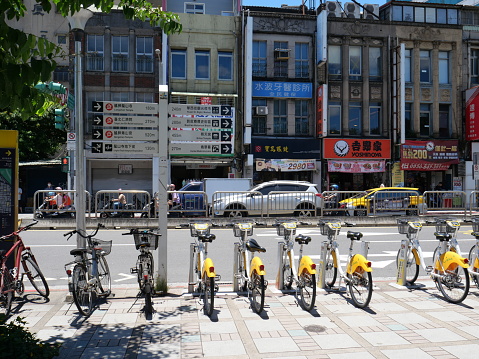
(434, 155)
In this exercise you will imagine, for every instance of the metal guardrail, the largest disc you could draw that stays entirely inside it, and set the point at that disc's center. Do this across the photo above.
(45, 204)
(136, 202)
(446, 201)
(301, 204)
(331, 202)
(240, 203)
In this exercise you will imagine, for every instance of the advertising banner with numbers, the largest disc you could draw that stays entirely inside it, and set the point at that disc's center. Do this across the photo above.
(142, 148)
(201, 149)
(125, 135)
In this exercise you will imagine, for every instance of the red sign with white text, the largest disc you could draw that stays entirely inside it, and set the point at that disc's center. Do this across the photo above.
(358, 149)
(472, 123)
(434, 155)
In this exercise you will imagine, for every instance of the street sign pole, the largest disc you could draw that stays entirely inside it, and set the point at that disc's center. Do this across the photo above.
(163, 182)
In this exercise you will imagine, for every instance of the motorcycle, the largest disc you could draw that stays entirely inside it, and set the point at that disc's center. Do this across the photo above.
(48, 209)
(127, 210)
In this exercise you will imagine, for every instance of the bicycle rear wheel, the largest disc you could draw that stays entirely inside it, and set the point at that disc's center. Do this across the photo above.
(83, 296)
(257, 292)
(473, 271)
(104, 278)
(208, 294)
(35, 276)
(307, 290)
(330, 271)
(287, 275)
(452, 286)
(147, 289)
(412, 268)
(7, 293)
(361, 288)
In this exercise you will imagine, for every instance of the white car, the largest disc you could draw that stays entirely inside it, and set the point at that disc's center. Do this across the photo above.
(298, 198)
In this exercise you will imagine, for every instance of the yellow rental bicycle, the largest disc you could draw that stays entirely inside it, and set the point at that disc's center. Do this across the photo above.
(358, 276)
(202, 270)
(305, 276)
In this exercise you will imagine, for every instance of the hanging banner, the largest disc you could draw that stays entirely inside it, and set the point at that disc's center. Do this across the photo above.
(356, 166)
(472, 123)
(397, 175)
(436, 155)
(285, 165)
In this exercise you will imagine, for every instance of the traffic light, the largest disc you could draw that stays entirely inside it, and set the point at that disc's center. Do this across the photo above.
(60, 119)
(51, 87)
(66, 164)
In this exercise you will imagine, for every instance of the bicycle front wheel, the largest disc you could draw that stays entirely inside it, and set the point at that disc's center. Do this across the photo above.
(83, 296)
(258, 291)
(208, 294)
(7, 293)
(454, 286)
(147, 289)
(104, 278)
(287, 275)
(307, 290)
(472, 270)
(412, 267)
(35, 276)
(330, 271)
(361, 288)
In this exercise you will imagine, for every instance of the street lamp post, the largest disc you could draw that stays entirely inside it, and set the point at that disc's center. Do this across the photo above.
(77, 23)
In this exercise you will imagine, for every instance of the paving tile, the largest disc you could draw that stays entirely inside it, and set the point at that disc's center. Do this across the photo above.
(112, 333)
(356, 354)
(260, 325)
(225, 348)
(386, 307)
(415, 353)
(449, 316)
(359, 321)
(322, 321)
(462, 351)
(104, 353)
(470, 329)
(439, 335)
(383, 338)
(408, 318)
(425, 304)
(401, 294)
(343, 308)
(219, 327)
(159, 350)
(52, 335)
(271, 345)
(335, 341)
(119, 318)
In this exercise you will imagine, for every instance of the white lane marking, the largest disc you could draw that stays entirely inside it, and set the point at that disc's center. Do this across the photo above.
(125, 277)
(74, 245)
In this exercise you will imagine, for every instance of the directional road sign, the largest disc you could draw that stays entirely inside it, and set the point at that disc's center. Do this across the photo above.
(122, 135)
(124, 147)
(138, 108)
(186, 109)
(201, 149)
(201, 122)
(124, 121)
(200, 134)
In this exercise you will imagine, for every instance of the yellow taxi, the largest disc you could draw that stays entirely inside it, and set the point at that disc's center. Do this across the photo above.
(385, 200)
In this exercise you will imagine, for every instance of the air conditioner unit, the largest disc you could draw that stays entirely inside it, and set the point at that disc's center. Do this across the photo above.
(281, 54)
(351, 10)
(373, 8)
(333, 8)
(261, 110)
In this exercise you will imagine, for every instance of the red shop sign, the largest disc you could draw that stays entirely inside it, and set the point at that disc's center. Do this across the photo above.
(435, 155)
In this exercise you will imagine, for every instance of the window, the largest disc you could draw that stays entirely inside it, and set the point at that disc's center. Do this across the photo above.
(441, 16)
(425, 120)
(374, 118)
(444, 121)
(259, 58)
(225, 65)
(230, 101)
(474, 67)
(61, 39)
(301, 123)
(145, 97)
(259, 122)
(419, 14)
(409, 130)
(425, 66)
(334, 118)
(202, 65)
(119, 96)
(227, 13)
(301, 64)
(178, 64)
(194, 8)
(144, 54)
(119, 53)
(407, 65)
(94, 53)
(60, 74)
(397, 13)
(452, 16)
(334, 61)
(37, 9)
(430, 15)
(281, 57)
(375, 63)
(355, 62)
(280, 122)
(408, 13)
(444, 68)
(355, 118)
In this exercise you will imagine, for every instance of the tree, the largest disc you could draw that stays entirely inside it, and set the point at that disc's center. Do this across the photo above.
(26, 59)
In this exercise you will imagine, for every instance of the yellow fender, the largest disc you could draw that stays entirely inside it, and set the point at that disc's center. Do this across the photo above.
(450, 261)
(476, 263)
(358, 263)
(208, 268)
(307, 265)
(416, 257)
(257, 266)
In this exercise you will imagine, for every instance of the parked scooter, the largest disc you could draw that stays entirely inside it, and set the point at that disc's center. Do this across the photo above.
(149, 208)
(48, 209)
(126, 211)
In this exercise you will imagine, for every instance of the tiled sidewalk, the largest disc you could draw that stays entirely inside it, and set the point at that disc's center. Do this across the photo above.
(400, 323)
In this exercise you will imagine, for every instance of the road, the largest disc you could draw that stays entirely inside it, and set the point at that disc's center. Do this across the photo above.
(52, 251)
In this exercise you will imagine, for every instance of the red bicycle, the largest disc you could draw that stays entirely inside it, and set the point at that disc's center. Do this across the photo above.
(10, 279)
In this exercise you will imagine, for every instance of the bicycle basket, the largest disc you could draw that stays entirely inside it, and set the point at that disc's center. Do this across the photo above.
(442, 225)
(149, 239)
(240, 227)
(199, 228)
(326, 230)
(475, 224)
(103, 246)
(286, 226)
(405, 228)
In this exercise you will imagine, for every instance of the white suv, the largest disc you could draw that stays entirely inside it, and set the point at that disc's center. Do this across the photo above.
(297, 198)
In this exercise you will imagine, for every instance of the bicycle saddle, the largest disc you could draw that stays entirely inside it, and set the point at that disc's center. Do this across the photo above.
(253, 246)
(356, 236)
(302, 239)
(442, 236)
(207, 238)
(78, 251)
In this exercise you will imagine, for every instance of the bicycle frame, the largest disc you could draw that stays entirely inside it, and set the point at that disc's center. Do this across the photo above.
(203, 266)
(20, 248)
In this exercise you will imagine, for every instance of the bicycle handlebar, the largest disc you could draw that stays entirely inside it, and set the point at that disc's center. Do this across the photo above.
(75, 231)
(25, 228)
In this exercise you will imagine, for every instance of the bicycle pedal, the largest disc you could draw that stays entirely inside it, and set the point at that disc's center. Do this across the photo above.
(133, 270)
(217, 278)
(428, 269)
